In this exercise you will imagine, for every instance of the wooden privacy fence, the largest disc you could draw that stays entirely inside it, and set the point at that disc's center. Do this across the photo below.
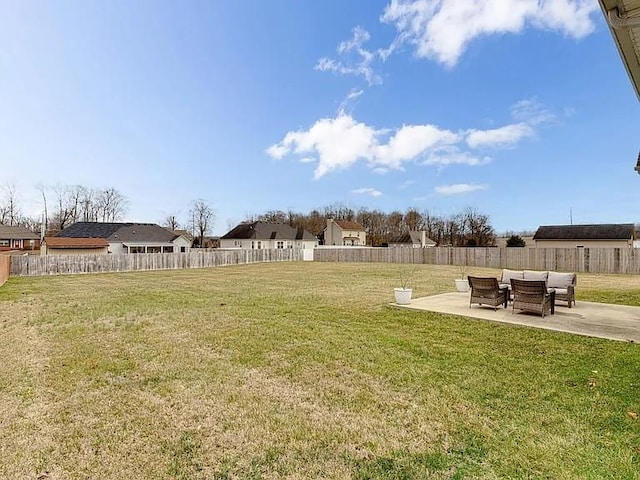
(5, 268)
(33, 265)
(596, 260)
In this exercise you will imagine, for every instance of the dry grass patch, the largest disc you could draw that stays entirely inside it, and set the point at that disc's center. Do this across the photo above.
(301, 370)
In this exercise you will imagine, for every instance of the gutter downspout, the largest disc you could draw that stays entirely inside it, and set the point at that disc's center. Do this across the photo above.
(616, 20)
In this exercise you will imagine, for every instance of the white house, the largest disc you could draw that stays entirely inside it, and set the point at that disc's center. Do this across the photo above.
(263, 235)
(344, 233)
(130, 237)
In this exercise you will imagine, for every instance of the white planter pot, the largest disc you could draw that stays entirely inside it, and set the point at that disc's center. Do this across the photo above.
(462, 285)
(403, 295)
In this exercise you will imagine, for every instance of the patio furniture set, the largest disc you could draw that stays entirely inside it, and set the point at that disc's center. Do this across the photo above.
(528, 290)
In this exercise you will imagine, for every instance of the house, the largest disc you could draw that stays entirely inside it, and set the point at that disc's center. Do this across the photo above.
(343, 233)
(129, 237)
(74, 246)
(623, 17)
(415, 239)
(186, 234)
(19, 239)
(263, 235)
(587, 236)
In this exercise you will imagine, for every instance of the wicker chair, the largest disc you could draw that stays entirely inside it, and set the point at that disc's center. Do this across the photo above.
(532, 296)
(486, 291)
(564, 285)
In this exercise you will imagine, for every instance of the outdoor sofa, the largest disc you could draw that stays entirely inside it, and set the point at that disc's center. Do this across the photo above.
(562, 283)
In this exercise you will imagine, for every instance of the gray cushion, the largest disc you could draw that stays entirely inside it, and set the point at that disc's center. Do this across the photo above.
(507, 275)
(561, 291)
(560, 280)
(529, 275)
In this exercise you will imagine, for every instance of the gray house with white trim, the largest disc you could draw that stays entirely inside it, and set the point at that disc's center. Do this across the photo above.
(130, 237)
(264, 235)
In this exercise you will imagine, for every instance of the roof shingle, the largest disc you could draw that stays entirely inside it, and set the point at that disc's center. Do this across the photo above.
(610, 231)
(68, 242)
(119, 232)
(267, 231)
(347, 225)
(16, 233)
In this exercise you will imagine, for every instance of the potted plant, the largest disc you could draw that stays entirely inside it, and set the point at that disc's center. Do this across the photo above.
(462, 284)
(404, 292)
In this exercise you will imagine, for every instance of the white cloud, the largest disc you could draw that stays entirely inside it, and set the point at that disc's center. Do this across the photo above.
(442, 30)
(458, 188)
(351, 97)
(337, 143)
(453, 155)
(355, 59)
(354, 94)
(410, 141)
(505, 136)
(532, 112)
(342, 141)
(367, 191)
(277, 151)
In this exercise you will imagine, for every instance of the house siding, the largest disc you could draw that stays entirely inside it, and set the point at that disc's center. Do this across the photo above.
(583, 243)
(265, 244)
(334, 235)
(18, 244)
(74, 251)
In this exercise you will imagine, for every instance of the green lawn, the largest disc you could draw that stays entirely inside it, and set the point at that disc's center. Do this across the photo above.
(302, 370)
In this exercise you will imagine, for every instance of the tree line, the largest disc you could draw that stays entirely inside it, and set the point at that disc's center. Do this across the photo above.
(468, 228)
(63, 205)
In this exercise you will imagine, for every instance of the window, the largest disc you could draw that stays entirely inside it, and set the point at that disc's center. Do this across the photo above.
(259, 244)
(183, 249)
(253, 244)
(4, 243)
(279, 244)
(136, 249)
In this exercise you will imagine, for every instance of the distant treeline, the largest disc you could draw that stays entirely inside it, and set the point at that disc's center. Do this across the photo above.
(467, 228)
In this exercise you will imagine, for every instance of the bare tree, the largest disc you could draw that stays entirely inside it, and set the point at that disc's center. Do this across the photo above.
(64, 213)
(394, 223)
(111, 205)
(202, 218)
(477, 229)
(273, 216)
(171, 222)
(413, 219)
(9, 209)
(45, 216)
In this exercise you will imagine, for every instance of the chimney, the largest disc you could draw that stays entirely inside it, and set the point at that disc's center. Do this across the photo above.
(423, 238)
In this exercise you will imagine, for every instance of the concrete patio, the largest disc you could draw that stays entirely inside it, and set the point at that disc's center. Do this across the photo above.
(613, 322)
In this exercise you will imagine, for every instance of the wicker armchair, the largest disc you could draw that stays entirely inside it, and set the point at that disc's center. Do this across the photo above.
(532, 296)
(487, 291)
(564, 285)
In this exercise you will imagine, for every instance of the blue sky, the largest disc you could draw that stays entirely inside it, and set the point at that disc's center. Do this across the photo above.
(522, 110)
